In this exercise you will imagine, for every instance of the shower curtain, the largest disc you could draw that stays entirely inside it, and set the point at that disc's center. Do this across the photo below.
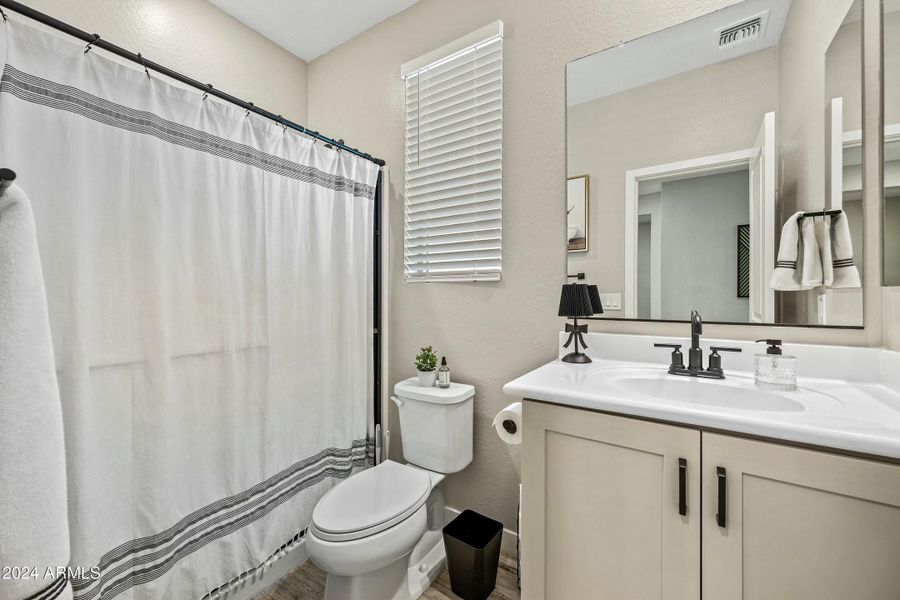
(209, 281)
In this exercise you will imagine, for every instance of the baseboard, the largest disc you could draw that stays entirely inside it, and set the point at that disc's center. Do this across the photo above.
(507, 542)
(292, 558)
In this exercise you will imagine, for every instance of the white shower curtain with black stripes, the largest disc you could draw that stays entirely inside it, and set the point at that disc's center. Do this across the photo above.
(209, 280)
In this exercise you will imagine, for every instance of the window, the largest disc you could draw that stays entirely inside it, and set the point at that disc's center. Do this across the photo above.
(454, 109)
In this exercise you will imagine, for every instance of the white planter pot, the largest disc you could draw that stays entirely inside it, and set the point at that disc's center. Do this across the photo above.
(426, 378)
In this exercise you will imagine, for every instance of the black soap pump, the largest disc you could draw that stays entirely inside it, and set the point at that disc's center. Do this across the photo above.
(775, 370)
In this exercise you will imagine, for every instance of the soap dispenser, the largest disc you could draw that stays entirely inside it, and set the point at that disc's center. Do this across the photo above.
(774, 370)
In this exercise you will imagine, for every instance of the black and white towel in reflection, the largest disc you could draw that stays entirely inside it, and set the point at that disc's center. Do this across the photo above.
(815, 252)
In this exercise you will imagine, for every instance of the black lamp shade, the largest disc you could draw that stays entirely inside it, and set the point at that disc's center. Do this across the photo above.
(594, 294)
(575, 301)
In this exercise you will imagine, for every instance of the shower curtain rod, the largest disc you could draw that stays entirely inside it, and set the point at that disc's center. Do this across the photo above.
(96, 41)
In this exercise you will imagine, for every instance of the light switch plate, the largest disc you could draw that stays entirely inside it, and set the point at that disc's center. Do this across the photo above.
(611, 301)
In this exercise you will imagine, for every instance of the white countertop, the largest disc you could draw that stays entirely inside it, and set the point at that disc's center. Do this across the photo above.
(845, 413)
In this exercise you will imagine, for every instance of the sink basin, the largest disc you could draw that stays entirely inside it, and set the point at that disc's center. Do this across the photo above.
(705, 392)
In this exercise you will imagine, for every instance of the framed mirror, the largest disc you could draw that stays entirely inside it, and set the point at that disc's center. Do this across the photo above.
(891, 217)
(721, 159)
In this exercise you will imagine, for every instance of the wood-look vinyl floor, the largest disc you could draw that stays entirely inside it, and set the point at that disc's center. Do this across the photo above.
(307, 582)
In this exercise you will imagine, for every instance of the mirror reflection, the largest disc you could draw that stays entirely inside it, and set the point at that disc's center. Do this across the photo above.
(716, 165)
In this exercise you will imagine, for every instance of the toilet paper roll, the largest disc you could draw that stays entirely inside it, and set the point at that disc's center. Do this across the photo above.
(508, 423)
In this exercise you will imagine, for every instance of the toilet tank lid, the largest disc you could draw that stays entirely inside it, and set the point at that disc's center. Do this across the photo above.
(409, 389)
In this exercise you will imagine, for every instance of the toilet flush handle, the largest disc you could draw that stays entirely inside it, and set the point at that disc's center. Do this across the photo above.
(397, 401)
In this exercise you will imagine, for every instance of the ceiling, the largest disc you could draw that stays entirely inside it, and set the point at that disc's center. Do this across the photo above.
(310, 28)
(685, 47)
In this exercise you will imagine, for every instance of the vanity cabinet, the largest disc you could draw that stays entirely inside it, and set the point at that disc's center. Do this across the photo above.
(601, 514)
(602, 504)
(799, 524)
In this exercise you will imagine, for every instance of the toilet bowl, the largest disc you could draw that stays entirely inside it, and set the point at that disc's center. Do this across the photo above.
(378, 533)
(365, 529)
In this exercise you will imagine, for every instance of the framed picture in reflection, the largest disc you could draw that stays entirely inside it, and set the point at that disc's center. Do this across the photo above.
(578, 195)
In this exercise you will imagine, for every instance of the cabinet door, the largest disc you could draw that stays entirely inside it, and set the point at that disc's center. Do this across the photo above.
(798, 524)
(600, 508)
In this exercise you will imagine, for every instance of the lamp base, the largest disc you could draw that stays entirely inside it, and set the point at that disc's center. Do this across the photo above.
(576, 357)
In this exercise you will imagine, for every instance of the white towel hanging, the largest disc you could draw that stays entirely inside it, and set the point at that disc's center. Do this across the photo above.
(34, 528)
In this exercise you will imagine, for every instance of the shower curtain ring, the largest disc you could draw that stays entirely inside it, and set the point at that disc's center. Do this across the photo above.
(281, 122)
(209, 88)
(91, 43)
(3, 14)
(249, 107)
(143, 64)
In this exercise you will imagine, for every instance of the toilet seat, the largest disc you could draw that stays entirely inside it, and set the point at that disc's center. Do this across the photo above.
(370, 501)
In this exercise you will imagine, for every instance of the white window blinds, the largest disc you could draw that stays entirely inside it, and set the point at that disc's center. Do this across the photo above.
(454, 114)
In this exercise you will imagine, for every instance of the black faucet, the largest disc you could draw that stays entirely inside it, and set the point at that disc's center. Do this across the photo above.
(695, 354)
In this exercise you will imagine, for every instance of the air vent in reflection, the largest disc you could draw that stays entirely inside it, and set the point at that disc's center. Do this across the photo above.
(743, 32)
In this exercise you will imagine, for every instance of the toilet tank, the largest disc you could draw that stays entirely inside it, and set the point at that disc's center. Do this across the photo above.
(435, 425)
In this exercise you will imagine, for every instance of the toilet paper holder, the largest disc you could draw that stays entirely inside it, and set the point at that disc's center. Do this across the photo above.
(508, 424)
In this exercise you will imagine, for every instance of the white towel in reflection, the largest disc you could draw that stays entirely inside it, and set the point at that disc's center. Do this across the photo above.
(823, 240)
(810, 266)
(846, 275)
(799, 264)
(786, 277)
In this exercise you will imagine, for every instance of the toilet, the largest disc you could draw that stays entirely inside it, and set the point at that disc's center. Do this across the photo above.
(378, 533)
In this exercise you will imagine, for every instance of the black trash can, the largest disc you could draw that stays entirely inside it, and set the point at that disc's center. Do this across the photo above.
(472, 542)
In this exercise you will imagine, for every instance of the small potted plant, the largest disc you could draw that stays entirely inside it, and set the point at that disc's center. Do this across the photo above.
(426, 363)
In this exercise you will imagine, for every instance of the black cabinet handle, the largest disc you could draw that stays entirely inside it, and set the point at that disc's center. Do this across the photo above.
(682, 486)
(723, 481)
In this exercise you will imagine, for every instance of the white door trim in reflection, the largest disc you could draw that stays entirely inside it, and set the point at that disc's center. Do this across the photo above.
(705, 165)
(762, 222)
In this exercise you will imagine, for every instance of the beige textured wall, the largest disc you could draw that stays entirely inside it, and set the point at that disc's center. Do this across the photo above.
(197, 39)
(493, 332)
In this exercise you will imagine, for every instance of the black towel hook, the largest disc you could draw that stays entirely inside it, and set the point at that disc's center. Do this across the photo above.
(821, 213)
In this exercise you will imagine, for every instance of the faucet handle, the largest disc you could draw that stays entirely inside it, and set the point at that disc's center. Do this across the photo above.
(677, 356)
(715, 361)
